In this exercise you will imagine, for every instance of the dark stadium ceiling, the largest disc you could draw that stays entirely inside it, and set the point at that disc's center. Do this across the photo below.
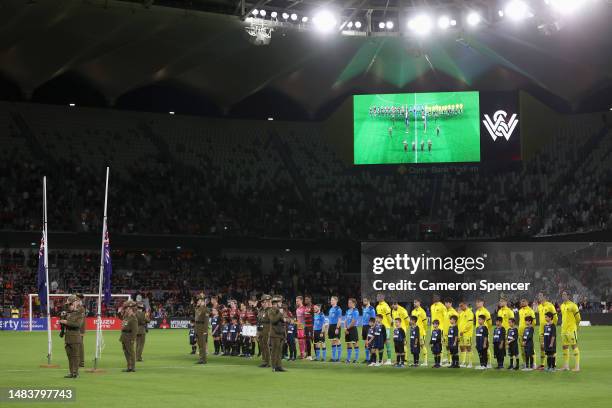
(178, 55)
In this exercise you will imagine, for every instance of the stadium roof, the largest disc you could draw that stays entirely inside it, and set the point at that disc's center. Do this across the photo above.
(163, 58)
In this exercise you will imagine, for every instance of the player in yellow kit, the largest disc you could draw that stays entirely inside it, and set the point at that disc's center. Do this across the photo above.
(466, 330)
(481, 310)
(400, 312)
(383, 309)
(570, 319)
(450, 312)
(437, 311)
(421, 316)
(524, 311)
(544, 306)
(505, 313)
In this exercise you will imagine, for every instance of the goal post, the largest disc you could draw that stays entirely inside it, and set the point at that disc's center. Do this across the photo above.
(31, 297)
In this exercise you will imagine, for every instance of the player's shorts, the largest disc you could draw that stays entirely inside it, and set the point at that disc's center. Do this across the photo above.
(351, 335)
(308, 332)
(364, 332)
(300, 333)
(436, 348)
(513, 350)
(569, 338)
(331, 332)
(399, 347)
(465, 341)
(319, 336)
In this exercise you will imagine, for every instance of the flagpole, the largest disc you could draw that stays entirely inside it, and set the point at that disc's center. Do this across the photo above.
(46, 258)
(99, 312)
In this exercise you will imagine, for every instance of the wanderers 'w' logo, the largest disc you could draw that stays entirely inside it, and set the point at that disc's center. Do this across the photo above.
(498, 127)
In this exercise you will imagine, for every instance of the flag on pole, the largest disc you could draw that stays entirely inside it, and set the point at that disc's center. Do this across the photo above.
(42, 276)
(108, 269)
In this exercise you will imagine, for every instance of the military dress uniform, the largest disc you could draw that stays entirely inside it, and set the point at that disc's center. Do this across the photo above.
(129, 331)
(276, 335)
(73, 339)
(263, 330)
(143, 319)
(201, 328)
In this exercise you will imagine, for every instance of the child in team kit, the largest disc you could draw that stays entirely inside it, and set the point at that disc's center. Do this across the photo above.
(291, 335)
(233, 336)
(550, 341)
(527, 342)
(499, 342)
(453, 342)
(225, 348)
(482, 342)
(370, 342)
(215, 327)
(399, 341)
(245, 341)
(513, 348)
(193, 340)
(436, 343)
(415, 341)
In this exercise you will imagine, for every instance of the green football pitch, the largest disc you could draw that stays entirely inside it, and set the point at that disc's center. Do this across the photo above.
(169, 377)
(458, 139)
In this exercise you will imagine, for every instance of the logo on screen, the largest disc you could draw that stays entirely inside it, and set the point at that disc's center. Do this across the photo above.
(499, 127)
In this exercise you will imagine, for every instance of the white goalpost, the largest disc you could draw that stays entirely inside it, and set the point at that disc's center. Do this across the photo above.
(31, 297)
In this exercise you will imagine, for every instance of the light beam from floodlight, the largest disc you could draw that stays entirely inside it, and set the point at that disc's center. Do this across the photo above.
(420, 24)
(566, 6)
(516, 10)
(324, 21)
(473, 18)
(443, 22)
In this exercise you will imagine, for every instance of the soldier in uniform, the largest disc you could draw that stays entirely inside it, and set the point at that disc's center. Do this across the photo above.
(277, 333)
(201, 327)
(83, 311)
(143, 318)
(263, 330)
(72, 335)
(129, 331)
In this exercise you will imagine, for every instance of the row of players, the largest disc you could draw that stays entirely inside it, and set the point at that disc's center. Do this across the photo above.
(451, 336)
(419, 110)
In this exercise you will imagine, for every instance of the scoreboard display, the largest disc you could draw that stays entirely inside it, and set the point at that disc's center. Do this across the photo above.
(436, 127)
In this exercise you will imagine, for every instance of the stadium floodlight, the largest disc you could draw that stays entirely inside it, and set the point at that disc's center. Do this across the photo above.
(389, 24)
(274, 14)
(453, 22)
(255, 12)
(358, 24)
(304, 19)
(381, 25)
(349, 24)
(443, 22)
(294, 17)
(262, 13)
(324, 21)
(566, 6)
(473, 18)
(420, 25)
(500, 13)
(516, 10)
(285, 16)
(72, 105)
(171, 112)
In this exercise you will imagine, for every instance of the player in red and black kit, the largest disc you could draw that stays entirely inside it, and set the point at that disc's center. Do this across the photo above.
(308, 323)
(251, 319)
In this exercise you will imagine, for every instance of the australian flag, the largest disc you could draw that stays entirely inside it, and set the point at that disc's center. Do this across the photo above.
(42, 276)
(108, 269)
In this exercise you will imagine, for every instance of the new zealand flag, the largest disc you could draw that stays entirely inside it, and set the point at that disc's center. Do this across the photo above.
(108, 269)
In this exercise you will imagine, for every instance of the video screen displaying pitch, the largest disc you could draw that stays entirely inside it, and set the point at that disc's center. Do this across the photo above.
(438, 127)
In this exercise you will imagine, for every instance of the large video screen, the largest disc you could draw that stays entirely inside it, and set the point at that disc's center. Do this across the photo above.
(438, 127)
